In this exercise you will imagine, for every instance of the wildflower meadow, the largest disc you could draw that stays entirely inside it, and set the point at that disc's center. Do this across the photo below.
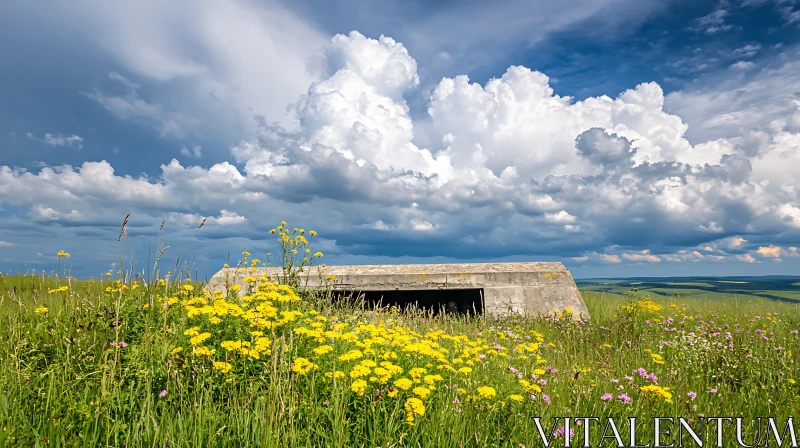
(124, 360)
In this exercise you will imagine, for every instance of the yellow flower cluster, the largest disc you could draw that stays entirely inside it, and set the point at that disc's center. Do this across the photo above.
(487, 392)
(643, 305)
(413, 406)
(232, 332)
(657, 391)
(301, 366)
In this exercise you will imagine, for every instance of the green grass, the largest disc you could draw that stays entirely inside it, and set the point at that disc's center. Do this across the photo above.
(65, 384)
(795, 295)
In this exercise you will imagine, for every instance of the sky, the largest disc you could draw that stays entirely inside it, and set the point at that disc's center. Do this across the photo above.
(620, 137)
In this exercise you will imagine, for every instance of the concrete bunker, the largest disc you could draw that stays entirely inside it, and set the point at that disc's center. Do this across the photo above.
(529, 288)
(466, 301)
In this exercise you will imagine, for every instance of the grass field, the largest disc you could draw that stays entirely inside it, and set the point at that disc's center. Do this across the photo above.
(121, 363)
(74, 377)
(775, 288)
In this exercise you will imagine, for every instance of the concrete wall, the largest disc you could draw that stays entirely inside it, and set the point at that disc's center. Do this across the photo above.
(526, 288)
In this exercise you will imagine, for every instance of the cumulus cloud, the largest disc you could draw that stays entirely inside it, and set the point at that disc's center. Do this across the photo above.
(612, 259)
(644, 255)
(770, 251)
(747, 258)
(516, 170)
(736, 242)
(49, 139)
(561, 216)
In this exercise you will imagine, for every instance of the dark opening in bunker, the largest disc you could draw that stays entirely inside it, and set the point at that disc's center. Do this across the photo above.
(437, 301)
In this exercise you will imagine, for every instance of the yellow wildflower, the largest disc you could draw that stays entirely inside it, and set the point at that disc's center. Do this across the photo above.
(360, 371)
(422, 392)
(487, 392)
(337, 374)
(359, 386)
(322, 349)
(403, 383)
(223, 367)
(201, 351)
(351, 355)
(413, 406)
(301, 366)
(658, 391)
(197, 340)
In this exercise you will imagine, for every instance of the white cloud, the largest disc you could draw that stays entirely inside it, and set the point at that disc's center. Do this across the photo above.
(42, 213)
(6, 244)
(422, 226)
(714, 22)
(712, 227)
(747, 258)
(790, 214)
(644, 255)
(560, 217)
(742, 65)
(124, 81)
(736, 242)
(771, 251)
(58, 140)
(612, 259)
(195, 151)
(514, 157)
(227, 218)
(131, 107)
(749, 111)
(747, 51)
(218, 60)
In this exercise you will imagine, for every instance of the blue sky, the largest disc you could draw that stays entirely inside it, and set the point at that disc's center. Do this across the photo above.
(620, 137)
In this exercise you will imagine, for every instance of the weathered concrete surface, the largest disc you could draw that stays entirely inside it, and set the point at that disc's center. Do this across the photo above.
(527, 288)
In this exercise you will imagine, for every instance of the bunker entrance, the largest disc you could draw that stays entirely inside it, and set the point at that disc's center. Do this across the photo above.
(437, 301)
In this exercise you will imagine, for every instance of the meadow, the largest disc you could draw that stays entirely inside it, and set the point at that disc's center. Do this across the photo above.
(121, 361)
(777, 287)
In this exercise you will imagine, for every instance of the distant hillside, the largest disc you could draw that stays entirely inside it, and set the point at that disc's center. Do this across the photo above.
(777, 287)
